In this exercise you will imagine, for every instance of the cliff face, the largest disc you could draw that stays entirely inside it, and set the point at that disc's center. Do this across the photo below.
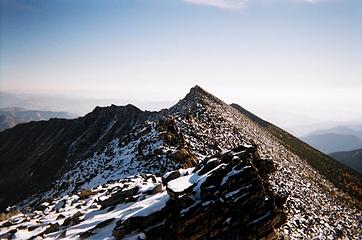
(219, 168)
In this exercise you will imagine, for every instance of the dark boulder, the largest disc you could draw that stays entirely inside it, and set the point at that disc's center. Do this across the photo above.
(52, 228)
(119, 197)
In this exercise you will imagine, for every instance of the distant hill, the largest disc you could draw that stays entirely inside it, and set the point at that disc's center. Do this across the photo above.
(9, 117)
(342, 130)
(353, 159)
(69, 103)
(332, 142)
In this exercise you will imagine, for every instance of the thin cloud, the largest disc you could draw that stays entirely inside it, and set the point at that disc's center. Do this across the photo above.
(315, 1)
(225, 4)
(235, 4)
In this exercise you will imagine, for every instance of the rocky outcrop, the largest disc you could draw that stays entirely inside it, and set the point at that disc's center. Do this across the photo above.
(172, 136)
(222, 198)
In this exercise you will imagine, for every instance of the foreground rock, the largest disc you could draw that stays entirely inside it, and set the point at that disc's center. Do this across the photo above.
(223, 198)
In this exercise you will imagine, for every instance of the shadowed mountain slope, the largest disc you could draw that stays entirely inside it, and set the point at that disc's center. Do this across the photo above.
(352, 159)
(34, 154)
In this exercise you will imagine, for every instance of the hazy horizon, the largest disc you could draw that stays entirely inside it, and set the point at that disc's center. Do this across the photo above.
(288, 61)
(296, 119)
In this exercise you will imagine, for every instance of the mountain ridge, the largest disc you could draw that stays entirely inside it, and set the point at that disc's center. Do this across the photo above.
(66, 140)
(332, 142)
(342, 130)
(9, 117)
(198, 128)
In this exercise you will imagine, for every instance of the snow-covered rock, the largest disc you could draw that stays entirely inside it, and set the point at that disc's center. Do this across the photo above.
(226, 194)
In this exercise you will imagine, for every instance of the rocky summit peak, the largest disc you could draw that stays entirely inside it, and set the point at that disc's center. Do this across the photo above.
(198, 93)
(198, 90)
(196, 96)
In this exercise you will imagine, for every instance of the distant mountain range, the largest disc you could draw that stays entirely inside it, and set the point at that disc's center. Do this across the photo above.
(337, 139)
(353, 159)
(9, 117)
(341, 130)
(306, 129)
(330, 142)
(343, 143)
(65, 103)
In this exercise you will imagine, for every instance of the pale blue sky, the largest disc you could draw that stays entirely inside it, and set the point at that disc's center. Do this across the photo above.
(274, 51)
